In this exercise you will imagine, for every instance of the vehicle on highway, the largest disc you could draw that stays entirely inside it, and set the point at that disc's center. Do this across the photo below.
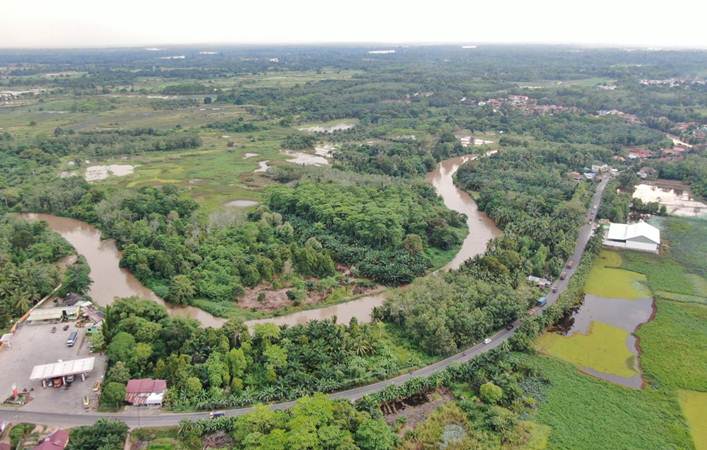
(563, 275)
(215, 414)
(542, 301)
(509, 326)
(554, 289)
(570, 263)
(72, 339)
(487, 341)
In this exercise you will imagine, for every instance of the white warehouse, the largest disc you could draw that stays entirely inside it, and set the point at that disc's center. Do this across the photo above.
(634, 236)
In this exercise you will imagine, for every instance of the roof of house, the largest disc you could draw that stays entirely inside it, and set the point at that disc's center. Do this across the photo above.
(55, 441)
(145, 391)
(145, 386)
(624, 232)
(62, 368)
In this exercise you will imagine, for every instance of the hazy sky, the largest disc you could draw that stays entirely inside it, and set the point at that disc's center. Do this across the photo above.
(96, 23)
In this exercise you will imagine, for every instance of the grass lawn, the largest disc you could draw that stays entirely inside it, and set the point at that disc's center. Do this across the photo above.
(587, 413)
(694, 407)
(603, 349)
(674, 346)
(662, 272)
(686, 238)
(605, 280)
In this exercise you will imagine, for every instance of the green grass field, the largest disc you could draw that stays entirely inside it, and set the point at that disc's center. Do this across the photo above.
(674, 346)
(662, 272)
(602, 349)
(694, 405)
(587, 413)
(686, 239)
(606, 280)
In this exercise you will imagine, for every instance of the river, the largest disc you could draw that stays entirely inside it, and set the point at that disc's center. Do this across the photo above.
(110, 281)
(481, 228)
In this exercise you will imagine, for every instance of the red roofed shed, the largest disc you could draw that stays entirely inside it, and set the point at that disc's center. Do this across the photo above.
(145, 391)
(55, 441)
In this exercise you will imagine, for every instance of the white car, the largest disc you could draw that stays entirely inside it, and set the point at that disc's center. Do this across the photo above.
(487, 341)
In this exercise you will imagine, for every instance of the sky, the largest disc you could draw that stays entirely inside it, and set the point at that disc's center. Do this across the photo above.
(116, 23)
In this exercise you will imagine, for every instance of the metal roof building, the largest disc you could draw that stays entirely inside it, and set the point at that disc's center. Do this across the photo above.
(42, 314)
(634, 236)
(62, 369)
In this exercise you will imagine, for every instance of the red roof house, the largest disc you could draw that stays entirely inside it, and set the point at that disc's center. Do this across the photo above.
(55, 441)
(639, 153)
(145, 391)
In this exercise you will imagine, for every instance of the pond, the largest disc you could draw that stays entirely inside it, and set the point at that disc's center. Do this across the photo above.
(241, 203)
(305, 159)
(97, 173)
(599, 338)
(674, 195)
(342, 126)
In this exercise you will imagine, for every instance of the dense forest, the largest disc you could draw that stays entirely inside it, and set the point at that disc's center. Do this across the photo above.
(28, 271)
(232, 366)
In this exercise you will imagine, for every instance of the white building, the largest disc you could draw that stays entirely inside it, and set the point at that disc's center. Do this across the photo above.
(62, 369)
(634, 236)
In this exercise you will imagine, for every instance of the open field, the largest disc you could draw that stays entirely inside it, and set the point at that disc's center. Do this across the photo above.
(587, 413)
(603, 349)
(674, 346)
(662, 273)
(686, 238)
(606, 280)
(694, 405)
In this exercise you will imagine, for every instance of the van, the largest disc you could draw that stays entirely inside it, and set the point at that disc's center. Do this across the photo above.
(72, 339)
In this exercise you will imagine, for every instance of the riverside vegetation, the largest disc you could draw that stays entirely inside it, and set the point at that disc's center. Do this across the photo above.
(365, 218)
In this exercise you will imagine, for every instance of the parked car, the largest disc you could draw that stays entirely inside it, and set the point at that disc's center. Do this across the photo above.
(72, 339)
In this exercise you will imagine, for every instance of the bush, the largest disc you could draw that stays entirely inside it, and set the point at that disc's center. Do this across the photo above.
(103, 435)
(113, 395)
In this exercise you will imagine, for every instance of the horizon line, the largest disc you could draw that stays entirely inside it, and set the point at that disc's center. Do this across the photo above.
(648, 47)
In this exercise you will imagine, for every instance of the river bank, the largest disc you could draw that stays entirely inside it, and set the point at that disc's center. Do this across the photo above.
(110, 281)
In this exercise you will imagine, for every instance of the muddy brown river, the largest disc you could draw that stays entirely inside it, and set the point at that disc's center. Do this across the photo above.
(481, 228)
(111, 282)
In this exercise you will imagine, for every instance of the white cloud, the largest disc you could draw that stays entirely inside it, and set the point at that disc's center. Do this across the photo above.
(79, 23)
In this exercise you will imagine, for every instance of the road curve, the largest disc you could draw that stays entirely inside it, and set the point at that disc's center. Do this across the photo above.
(157, 418)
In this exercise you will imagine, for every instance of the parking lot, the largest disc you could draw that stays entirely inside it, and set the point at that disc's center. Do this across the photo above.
(34, 345)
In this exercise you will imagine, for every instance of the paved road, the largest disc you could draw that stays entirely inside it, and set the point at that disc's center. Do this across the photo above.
(154, 418)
